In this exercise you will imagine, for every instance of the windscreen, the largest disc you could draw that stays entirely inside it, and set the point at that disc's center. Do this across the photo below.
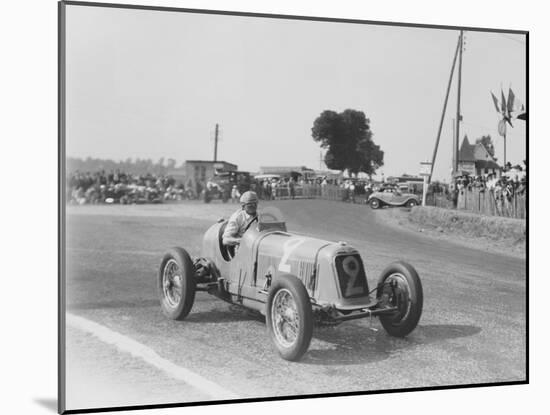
(270, 214)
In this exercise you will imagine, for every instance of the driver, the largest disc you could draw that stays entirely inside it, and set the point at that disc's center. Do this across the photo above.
(241, 220)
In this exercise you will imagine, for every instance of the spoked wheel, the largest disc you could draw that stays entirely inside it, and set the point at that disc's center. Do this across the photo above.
(374, 203)
(176, 284)
(289, 317)
(412, 203)
(399, 286)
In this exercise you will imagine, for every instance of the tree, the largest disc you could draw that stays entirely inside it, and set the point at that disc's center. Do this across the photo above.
(347, 137)
(487, 141)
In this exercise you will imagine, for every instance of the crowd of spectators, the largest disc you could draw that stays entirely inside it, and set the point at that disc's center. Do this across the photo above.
(346, 189)
(126, 188)
(121, 187)
(284, 187)
(505, 186)
(502, 195)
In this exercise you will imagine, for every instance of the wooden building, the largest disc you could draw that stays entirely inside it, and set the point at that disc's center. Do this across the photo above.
(475, 160)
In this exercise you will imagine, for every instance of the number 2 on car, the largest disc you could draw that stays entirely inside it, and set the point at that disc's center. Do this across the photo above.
(288, 247)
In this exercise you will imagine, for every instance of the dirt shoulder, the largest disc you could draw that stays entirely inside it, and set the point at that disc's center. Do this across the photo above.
(492, 234)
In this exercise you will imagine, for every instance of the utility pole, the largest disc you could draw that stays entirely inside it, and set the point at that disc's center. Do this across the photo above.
(505, 150)
(443, 112)
(216, 144)
(454, 147)
(458, 116)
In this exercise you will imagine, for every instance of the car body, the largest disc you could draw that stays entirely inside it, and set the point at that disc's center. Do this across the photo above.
(292, 279)
(391, 195)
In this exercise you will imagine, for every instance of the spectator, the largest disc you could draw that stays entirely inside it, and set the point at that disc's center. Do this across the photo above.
(291, 188)
(235, 195)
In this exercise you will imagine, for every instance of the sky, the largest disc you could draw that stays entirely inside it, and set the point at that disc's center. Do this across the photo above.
(154, 84)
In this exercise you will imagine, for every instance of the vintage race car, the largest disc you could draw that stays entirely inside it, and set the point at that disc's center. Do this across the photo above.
(392, 196)
(292, 279)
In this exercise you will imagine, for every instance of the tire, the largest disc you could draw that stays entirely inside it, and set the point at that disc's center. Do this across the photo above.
(374, 203)
(408, 297)
(287, 293)
(176, 284)
(412, 203)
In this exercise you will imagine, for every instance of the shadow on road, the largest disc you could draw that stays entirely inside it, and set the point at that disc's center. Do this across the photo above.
(436, 332)
(48, 403)
(353, 344)
(235, 313)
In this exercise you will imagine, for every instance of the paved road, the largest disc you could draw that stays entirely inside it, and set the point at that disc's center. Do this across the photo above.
(472, 330)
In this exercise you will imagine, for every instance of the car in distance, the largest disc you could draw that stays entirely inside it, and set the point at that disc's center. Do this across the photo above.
(219, 186)
(391, 195)
(295, 281)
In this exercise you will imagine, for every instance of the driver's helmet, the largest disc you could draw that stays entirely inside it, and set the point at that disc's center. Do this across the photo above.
(248, 197)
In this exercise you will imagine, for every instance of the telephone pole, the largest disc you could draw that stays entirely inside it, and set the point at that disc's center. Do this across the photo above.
(458, 116)
(443, 113)
(216, 144)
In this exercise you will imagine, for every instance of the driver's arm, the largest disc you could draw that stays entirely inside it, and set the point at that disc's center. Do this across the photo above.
(231, 240)
(230, 233)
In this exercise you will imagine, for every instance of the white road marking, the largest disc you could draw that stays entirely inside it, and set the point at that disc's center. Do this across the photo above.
(139, 350)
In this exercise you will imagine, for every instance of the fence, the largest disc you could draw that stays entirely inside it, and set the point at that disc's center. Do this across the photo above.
(309, 191)
(439, 200)
(493, 204)
(474, 200)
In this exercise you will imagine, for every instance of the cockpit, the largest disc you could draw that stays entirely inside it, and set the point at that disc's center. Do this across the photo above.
(268, 218)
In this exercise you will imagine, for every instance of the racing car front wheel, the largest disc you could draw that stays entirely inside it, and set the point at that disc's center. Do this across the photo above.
(176, 284)
(399, 286)
(289, 317)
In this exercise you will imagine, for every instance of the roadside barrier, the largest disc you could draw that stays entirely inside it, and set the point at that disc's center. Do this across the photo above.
(474, 200)
(493, 203)
(308, 191)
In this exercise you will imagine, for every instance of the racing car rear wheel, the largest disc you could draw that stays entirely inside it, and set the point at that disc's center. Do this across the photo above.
(412, 203)
(399, 286)
(289, 317)
(374, 203)
(176, 284)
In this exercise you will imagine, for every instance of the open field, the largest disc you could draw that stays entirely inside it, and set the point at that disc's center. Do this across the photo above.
(473, 328)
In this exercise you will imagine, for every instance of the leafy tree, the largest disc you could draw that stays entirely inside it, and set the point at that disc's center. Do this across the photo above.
(487, 141)
(347, 137)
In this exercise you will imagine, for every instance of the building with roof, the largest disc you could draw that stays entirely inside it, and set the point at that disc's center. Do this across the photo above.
(200, 171)
(476, 160)
(288, 171)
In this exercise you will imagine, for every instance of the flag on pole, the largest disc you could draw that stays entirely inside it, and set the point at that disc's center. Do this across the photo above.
(505, 112)
(510, 104)
(503, 104)
(495, 100)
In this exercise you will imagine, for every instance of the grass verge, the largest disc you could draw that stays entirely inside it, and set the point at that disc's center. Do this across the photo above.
(493, 233)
